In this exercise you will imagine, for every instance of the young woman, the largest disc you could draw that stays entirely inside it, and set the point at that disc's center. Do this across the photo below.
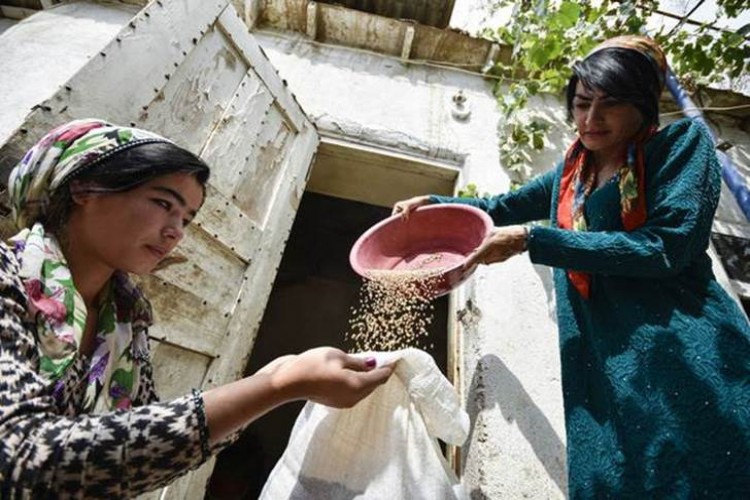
(655, 355)
(79, 415)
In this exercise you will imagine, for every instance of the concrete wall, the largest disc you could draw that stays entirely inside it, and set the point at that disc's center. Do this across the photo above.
(739, 153)
(39, 54)
(509, 356)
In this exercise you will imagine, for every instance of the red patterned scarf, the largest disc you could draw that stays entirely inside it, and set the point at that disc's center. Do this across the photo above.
(577, 183)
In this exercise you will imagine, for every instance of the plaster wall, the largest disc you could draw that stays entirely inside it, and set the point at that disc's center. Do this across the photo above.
(509, 371)
(729, 211)
(59, 41)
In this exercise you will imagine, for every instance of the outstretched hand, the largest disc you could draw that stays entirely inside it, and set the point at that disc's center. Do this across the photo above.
(327, 376)
(502, 244)
(324, 375)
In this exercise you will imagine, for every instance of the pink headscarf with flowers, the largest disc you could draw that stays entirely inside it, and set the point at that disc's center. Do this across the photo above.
(55, 307)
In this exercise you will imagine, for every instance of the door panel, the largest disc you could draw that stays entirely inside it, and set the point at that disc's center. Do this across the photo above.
(235, 136)
(256, 190)
(184, 368)
(196, 95)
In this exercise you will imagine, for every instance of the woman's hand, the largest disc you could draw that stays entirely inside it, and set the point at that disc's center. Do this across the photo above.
(324, 375)
(406, 207)
(327, 376)
(502, 244)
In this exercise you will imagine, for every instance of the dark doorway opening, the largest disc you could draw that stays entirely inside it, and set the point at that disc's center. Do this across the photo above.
(309, 306)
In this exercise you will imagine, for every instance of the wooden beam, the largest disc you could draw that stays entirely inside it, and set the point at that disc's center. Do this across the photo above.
(16, 12)
(408, 41)
(312, 20)
(492, 56)
(250, 10)
(376, 176)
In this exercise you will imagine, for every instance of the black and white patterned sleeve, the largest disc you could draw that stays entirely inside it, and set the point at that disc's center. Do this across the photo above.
(46, 454)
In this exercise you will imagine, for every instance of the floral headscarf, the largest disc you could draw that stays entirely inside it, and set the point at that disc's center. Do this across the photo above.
(55, 306)
(578, 178)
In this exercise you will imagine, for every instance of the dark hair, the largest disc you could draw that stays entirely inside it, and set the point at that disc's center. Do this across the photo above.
(623, 74)
(123, 171)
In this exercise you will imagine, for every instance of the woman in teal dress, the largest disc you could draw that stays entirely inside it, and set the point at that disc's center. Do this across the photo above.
(655, 355)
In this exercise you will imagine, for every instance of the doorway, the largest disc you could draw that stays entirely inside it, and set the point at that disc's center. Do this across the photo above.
(309, 306)
(351, 187)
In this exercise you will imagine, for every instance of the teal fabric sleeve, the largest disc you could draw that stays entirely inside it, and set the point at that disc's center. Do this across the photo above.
(528, 203)
(683, 183)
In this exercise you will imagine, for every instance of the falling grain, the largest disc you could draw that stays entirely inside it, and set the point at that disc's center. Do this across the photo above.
(395, 308)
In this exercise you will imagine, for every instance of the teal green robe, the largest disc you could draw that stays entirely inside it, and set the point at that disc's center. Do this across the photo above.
(656, 364)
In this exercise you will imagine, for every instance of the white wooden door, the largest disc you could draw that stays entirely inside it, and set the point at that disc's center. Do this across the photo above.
(189, 69)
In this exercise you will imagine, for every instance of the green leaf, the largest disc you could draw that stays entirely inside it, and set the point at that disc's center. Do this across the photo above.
(517, 135)
(469, 191)
(734, 39)
(732, 7)
(538, 141)
(596, 14)
(705, 40)
(568, 14)
(107, 318)
(544, 50)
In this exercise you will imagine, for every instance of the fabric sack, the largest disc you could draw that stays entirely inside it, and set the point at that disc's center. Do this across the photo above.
(383, 448)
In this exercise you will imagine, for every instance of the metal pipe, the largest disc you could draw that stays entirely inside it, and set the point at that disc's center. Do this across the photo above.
(732, 177)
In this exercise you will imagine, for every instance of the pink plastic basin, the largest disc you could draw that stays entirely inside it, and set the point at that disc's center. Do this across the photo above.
(434, 237)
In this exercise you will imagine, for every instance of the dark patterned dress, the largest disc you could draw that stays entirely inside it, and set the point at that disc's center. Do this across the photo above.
(656, 363)
(50, 449)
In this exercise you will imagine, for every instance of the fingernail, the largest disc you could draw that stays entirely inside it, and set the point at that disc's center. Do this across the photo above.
(371, 362)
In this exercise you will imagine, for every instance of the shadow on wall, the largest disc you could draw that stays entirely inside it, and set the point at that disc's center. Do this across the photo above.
(505, 392)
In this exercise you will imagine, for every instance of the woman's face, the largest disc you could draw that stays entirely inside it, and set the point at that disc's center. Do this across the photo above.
(604, 124)
(134, 230)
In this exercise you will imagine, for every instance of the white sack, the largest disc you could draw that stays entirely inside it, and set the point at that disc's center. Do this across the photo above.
(384, 448)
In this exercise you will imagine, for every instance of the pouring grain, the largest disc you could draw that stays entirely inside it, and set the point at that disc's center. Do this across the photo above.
(395, 310)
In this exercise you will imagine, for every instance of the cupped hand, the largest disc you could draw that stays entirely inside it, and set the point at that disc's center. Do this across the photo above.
(406, 207)
(502, 244)
(327, 376)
